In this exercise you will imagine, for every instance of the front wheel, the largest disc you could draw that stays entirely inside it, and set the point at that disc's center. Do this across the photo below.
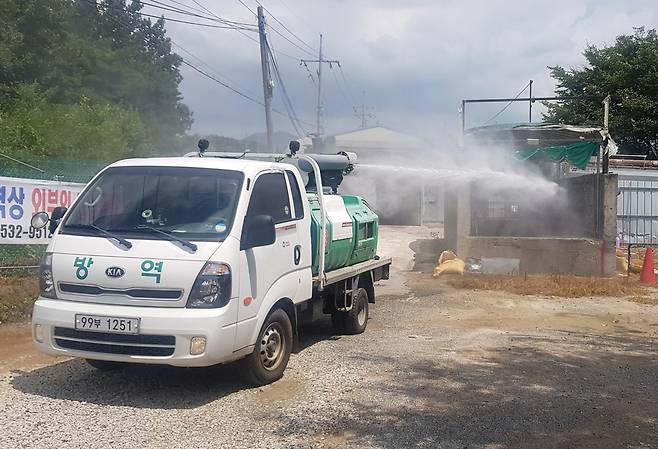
(272, 351)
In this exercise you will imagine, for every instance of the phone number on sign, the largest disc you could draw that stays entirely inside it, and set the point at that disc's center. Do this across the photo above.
(10, 231)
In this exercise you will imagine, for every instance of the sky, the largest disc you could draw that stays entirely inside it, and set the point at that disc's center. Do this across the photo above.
(413, 61)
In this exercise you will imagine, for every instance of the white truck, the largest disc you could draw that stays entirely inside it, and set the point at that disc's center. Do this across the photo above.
(195, 261)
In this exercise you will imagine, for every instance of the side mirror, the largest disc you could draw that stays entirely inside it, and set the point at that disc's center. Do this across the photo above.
(55, 217)
(258, 230)
(58, 213)
(39, 220)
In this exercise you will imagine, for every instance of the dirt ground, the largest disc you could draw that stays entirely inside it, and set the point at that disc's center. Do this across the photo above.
(17, 295)
(438, 367)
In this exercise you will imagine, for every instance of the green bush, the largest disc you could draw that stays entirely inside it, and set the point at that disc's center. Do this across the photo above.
(84, 130)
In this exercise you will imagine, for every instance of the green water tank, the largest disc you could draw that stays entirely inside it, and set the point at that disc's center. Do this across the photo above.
(351, 231)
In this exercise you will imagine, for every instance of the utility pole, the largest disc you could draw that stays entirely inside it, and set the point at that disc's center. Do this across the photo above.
(320, 61)
(530, 103)
(363, 115)
(267, 79)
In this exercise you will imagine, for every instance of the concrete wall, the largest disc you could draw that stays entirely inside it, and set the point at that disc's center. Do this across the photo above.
(542, 254)
(582, 254)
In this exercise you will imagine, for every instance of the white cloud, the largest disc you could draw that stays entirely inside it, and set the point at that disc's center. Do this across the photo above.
(415, 59)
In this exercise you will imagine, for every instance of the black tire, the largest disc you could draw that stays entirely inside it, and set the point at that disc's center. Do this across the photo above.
(105, 365)
(338, 322)
(272, 351)
(356, 320)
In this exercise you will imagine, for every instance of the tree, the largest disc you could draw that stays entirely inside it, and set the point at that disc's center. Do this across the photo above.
(628, 71)
(72, 56)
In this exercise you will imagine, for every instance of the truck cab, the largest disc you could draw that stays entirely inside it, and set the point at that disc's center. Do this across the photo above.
(180, 261)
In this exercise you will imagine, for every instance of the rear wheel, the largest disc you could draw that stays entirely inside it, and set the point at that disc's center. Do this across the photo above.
(272, 351)
(356, 320)
(105, 365)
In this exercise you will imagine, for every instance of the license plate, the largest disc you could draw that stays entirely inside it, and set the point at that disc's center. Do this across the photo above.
(107, 324)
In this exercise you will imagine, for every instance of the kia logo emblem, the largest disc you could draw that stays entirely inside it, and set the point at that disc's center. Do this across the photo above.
(115, 272)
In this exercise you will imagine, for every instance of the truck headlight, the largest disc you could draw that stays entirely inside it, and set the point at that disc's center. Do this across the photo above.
(46, 281)
(212, 288)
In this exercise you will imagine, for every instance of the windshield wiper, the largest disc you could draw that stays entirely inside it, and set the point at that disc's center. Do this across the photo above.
(169, 235)
(105, 232)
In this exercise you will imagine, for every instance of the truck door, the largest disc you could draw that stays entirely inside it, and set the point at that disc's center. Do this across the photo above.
(262, 267)
(302, 247)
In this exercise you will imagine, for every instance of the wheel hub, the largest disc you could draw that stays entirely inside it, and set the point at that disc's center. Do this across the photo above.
(272, 346)
(361, 316)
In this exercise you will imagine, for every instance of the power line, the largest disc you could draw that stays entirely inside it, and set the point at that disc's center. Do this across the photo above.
(166, 7)
(310, 74)
(292, 11)
(191, 11)
(290, 41)
(246, 6)
(292, 115)
(202, 62)
(506, 106)
(253, 39)
(169, 19)
(231, 88)
(347, 87)
(340, 88)
(286, 28)
(207, 75)
(276, 30)
(200, 71)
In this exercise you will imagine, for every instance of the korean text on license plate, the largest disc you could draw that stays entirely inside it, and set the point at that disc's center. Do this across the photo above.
(117, 325)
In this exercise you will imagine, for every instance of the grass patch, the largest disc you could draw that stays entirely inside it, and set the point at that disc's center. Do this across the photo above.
(17, 295)
(567, 286)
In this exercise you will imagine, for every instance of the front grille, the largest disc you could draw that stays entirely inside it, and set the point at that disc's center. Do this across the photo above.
(109, 343)
(137, 293)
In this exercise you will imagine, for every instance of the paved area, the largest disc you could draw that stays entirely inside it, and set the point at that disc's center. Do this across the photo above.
(436, 368)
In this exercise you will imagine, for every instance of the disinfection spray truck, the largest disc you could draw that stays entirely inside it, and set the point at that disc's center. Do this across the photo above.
(206, 259)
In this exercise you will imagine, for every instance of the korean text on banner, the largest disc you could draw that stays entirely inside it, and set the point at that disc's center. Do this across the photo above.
(22, 198)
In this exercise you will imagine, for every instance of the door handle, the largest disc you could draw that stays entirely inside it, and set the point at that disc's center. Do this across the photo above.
(297, 254)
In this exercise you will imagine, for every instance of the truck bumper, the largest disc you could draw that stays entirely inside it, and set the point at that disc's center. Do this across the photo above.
(165, 334)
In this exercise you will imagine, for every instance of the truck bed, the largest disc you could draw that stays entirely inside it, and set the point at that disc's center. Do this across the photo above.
(347, 272)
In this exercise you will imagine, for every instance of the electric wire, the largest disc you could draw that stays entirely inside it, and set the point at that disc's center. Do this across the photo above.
(192, 11)
(277, 31)
(340, 88)
(211, 68)
(496, 115)
(310, 74)
(209, 76)
(347, 85)
(246, 6)
(291, 42)
(166, 7)
(169, 19)
(292, 115)
(299, 19)
(243, 33)
(313, 49)
(201, 71)
(287, 102)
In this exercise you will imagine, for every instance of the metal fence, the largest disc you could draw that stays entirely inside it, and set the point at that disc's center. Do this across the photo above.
(637, 210)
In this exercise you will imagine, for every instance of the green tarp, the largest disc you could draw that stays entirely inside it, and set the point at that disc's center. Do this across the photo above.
(577, 154)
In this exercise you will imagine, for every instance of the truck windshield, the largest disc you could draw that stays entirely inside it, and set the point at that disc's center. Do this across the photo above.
(195, 202)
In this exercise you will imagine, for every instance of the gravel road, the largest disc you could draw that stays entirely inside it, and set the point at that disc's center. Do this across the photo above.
(436, 368)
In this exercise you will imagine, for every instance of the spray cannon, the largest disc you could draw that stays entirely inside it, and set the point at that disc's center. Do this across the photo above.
(332, 169)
